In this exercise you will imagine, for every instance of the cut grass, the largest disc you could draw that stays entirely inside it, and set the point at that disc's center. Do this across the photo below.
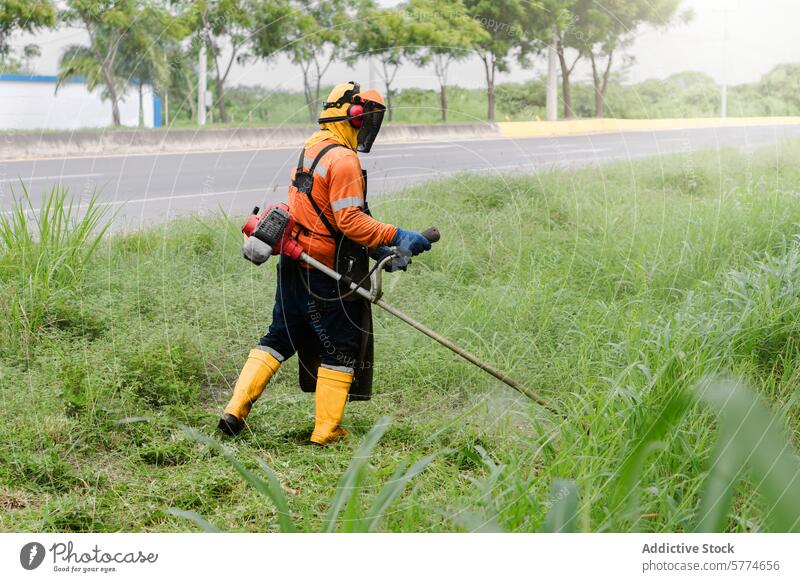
(614, 291)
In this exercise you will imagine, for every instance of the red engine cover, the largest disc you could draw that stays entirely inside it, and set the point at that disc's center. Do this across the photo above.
(286, 245)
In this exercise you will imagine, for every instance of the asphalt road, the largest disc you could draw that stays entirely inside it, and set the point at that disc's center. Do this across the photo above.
(150, 188)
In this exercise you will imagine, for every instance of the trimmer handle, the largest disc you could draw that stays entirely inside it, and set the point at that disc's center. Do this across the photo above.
(432, 234)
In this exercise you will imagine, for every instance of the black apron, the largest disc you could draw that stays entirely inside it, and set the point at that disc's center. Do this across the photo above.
(352, 262)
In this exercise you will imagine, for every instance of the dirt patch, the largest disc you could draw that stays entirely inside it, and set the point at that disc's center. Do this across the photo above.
(10, 501)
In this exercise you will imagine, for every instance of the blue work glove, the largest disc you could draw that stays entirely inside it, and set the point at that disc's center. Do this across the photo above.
(396, 264)
(408, 241)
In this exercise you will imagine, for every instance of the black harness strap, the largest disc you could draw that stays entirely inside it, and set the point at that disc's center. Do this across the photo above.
(307, 191)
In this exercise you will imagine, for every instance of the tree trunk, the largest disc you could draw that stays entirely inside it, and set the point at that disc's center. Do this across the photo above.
(115, 111)
(106, 66)
(112, 94)
(441, 63)
(490, 67)
(312, 113)
(223, 118)
(389, 112)
(141, 105)
(566, 87)
(443, 101)
(599, 104)
(601, 85)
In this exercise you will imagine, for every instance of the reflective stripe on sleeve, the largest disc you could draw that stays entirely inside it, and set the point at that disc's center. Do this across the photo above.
(338, 205)
(320, 169)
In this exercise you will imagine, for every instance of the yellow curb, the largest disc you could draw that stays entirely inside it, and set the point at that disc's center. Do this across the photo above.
(580, 126)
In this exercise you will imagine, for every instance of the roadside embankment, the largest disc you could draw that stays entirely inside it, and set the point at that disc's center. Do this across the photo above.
(15, 146)
(115, 142)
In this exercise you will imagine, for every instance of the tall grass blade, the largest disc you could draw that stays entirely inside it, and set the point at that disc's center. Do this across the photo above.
(348, 488)
(198, 519)
(563, 514)
(43, 254)
(751, 435)
(278, 498)
(651, 434)
(271, 490)
(392, 490)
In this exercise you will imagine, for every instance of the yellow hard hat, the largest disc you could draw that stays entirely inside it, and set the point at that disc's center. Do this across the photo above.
(363, 110)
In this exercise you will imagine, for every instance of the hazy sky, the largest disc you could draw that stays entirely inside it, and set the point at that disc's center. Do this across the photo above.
(762, 33)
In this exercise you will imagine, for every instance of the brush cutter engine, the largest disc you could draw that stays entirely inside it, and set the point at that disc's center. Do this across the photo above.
(270, 233)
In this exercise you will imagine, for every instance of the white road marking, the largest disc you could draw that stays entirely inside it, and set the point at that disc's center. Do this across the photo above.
(60, 177)
(561, 151)
(159, 198)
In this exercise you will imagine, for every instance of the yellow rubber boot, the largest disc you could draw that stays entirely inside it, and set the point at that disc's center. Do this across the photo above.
(332, 389)
(253, 378)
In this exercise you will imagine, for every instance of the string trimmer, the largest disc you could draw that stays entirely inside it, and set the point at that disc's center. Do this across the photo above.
(270, 233)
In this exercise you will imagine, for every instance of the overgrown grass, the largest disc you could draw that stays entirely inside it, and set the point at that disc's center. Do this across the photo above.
(43, 254)
(615, 291)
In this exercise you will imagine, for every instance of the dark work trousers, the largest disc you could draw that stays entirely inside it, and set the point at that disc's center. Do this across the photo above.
(298, 316)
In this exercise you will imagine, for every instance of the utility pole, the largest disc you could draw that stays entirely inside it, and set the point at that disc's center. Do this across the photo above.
(725, 36)
(552, 79)
(724, 105)
(202, 83)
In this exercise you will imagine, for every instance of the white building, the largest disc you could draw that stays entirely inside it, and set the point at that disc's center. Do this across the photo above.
(31, 102)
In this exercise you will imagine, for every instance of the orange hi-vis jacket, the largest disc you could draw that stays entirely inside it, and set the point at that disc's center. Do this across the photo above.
(339, 192)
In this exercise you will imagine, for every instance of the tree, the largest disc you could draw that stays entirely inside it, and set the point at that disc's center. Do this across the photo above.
(312, 33)
(559, 24)
(24, 16)
(386, 35)
(783, 84)
(105, 22)
(144, 52)
(608, 28)
(447, 34)
(319, 36)
(502, 20)
(220, 24)
(125, 40)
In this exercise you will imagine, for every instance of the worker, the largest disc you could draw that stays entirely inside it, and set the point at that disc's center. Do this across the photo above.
(314, 316)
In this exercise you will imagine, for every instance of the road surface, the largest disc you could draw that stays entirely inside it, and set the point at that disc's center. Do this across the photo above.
(145, 189)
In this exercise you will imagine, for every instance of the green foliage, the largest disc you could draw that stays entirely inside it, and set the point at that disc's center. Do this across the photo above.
(782, 85)
(346, 500)
(613, 290)
(563, 514)
(678, 96)
(754, 438)
(43, 254)
(388, 36)
(165, 372)
(444, 33)
(127, 39)
(504, 22)
(312, 33)
(24, 15)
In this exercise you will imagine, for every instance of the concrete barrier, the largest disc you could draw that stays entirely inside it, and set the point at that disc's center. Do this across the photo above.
(120, 142)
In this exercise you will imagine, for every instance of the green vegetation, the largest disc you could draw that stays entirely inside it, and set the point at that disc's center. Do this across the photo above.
(619, 292)
(680, 95)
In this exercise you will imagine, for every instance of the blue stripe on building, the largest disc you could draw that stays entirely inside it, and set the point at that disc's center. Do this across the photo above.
(156, 111)
(39, 78)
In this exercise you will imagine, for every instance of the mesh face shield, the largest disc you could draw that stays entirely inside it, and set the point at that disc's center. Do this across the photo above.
(372, 118)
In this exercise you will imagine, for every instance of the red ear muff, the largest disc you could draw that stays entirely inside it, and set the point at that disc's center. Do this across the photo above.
(353, 112)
